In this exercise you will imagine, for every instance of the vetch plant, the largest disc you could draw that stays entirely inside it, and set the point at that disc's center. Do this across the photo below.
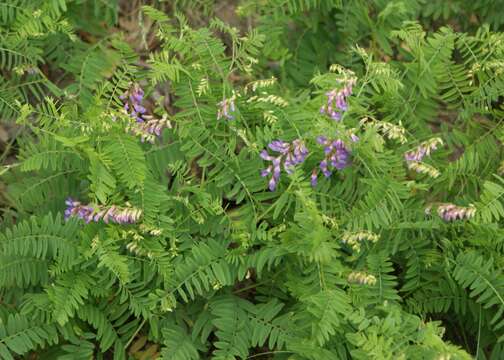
(171, 190)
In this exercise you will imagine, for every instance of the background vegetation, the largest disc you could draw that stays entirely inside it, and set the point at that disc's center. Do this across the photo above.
(137, 225)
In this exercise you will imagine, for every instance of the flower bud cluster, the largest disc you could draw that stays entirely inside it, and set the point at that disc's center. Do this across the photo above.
(355, 239)
(422, 168)
(361, 278)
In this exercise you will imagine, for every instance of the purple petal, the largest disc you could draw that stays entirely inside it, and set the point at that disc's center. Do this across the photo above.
(264, 155)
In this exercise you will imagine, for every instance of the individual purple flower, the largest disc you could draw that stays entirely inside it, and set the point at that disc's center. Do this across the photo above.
(226, 107)
(279, 146)
(291, 154)
(337, 156)
(133, 103)
(337, 101)
(107, 214)
(313, 178)
(266, 172)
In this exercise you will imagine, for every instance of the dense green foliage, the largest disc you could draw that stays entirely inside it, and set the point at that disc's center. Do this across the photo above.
(387, 258)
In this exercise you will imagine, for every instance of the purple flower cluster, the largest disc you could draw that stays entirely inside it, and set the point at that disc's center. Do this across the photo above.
(414, 157)
(133, 103)
(107, 214)
(424, 149)
(337, 101)
(291, 154)
(150, 129)
(225, 107)
(337, 155)
(451, 212)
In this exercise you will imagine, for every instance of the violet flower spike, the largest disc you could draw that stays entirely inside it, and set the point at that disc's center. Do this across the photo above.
(107, 214)
(149, 129)
(337, 101)
(422, 150)
(290, 155)
(450, 212)
(133, 103)
(336, 156)
(414, 157)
